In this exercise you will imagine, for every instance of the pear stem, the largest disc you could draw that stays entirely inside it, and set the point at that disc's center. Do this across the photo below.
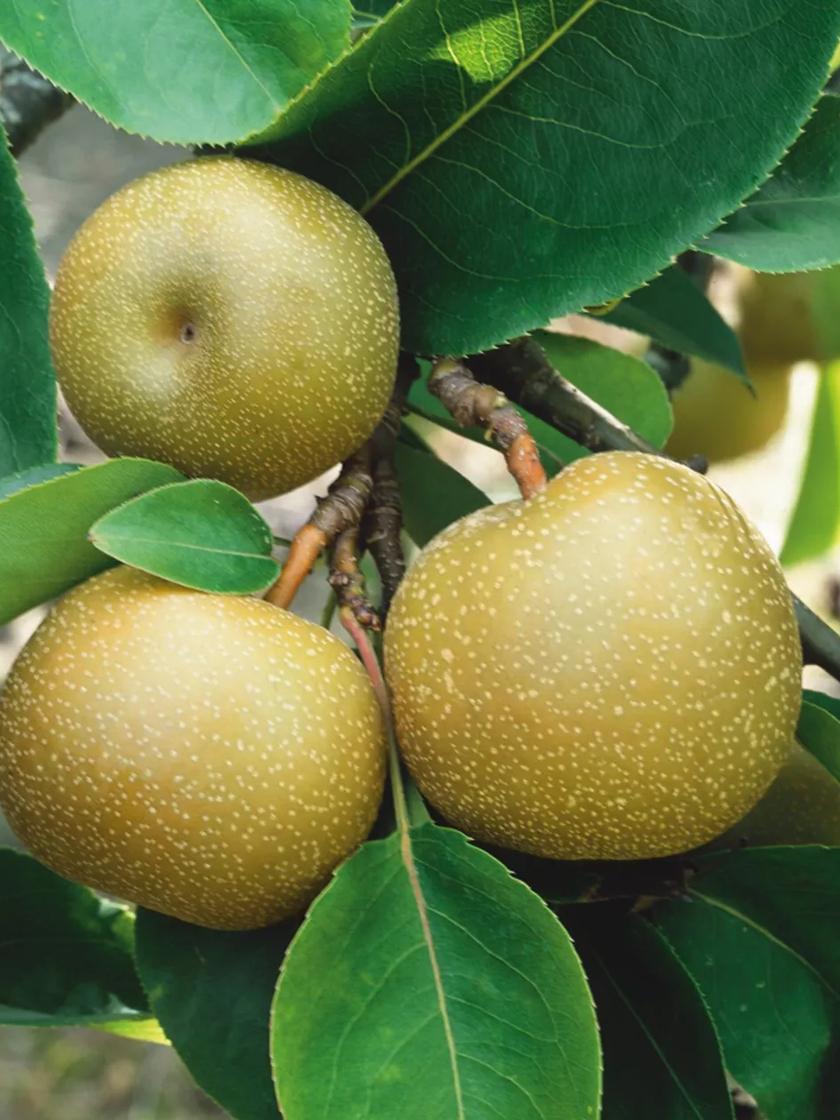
(472, 403)
(371, 665)
(359, 509)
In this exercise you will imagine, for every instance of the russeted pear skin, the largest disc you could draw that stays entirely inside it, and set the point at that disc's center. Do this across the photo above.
(232, 318)
(210, 757)
(610, 670)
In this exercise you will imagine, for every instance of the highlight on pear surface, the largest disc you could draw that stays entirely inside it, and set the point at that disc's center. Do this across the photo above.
(232, 318)
(619, 672)
(208, 756)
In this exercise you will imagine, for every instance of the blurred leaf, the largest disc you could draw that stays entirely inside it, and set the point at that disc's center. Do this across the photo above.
(757, 930)
(177, 70)
(626, 386)
(201, 534)
(44, 529)
(521, 166)
(66, 958)
(661, 1054)
(212, 991)
(433, 493)
(792, 222)
(28, 433)
(815, 523)
(819, 730)
(428, 982)
(676, 313)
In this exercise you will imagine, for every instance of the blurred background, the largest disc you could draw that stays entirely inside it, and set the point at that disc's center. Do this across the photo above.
(77, 162)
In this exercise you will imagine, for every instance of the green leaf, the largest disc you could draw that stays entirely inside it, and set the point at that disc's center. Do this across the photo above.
(520, 162)
(626, 386)
(212, 991)
(28, 434)
(661, 1054)
(201, 534)
(757, 930)
(15, 482)
(44, 529)
(674, 311)
(433, 493)
(815, 523)
(792, 222)
(819, 730)
(426, 982)
(185, 71)
(66, 958)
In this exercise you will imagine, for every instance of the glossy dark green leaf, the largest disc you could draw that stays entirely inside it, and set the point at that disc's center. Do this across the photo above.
(661, 1054)
(28, 434)
(180, 70)
(523, 161)
(44, 528)
(815, 524)
(819, 729)
(211, 991)
(757, 930)
(66, 955)
(428, 983)
(201, 534)
(792, 222)
(433, 493)
(676, 313)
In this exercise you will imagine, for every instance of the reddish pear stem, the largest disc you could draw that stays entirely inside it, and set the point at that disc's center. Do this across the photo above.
(472, 403)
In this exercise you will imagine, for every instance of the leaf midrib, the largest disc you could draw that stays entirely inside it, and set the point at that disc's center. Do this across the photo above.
(480, 104)
(110, 539)
(425, 925)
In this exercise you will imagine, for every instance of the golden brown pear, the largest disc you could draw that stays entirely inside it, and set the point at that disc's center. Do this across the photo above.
(207, 756)
(802, 806)
(610, 670)
(716, 415)
(228, 317)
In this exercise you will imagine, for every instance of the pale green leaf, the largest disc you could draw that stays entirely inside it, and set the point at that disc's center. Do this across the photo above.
(815, 523)
(201, 534)
(44, 528)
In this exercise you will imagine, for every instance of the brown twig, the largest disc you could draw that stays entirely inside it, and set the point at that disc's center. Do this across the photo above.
(359, 504)
(341, 509)
(382, 526)
(347, 581)
(523, 371)
(472, 403)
